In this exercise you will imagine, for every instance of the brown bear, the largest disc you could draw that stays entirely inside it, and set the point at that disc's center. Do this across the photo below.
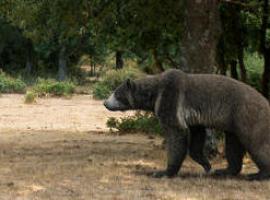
(198, 101)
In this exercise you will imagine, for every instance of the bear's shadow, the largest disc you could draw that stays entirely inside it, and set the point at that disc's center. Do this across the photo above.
(188, 175)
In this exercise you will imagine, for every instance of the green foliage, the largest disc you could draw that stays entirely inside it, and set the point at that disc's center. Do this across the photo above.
(13, 47)
(54, 88)
(101, 90)
(11, 85)
(36, 32)
(140, 122)
(30, 97)
(113, 78)
(254, 65)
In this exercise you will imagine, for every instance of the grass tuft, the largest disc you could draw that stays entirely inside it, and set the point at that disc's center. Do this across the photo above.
(9, 84)
(30, 97)
(52, 87)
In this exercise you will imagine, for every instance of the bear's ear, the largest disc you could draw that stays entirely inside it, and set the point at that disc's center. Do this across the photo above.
(130, 84)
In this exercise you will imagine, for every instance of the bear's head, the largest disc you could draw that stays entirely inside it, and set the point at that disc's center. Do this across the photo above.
(121, 99)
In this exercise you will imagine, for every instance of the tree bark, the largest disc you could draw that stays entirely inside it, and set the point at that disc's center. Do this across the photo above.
(201, 36)
(202, 29)
(62, 65)
(119, 63)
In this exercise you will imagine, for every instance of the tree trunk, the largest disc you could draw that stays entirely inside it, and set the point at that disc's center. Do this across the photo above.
(93, 68)
(119, 63)
(201, 36)
(29, 59)
(234, 73)
(220, 58)
(199, 43)
(223, 67)
(157, 66)
(242, 66)
(62, 65)
(28, 67)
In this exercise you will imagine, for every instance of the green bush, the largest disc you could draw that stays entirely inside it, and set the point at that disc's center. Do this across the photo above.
(54, 88)
(30, 97)
(113, 78)
(140, 122)
(11, 85)
(254, 65)
(101, 90)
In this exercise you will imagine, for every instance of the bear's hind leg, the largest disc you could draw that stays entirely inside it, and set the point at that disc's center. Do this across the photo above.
(262, 159)
(235, 152)
(196, 146)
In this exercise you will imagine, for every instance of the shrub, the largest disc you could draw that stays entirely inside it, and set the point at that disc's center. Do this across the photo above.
(140, 122)
(30, 97)
(113, 78)
(254, 65)
(51, 87)
(101, 90)
(11, 85)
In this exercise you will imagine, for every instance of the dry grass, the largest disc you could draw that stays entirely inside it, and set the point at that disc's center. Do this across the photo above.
(80, 113)
(72, 165)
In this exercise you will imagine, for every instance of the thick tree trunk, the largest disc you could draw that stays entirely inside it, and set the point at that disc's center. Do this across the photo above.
(119, 63)
(62, 65)
(201, 36)
(199, 44)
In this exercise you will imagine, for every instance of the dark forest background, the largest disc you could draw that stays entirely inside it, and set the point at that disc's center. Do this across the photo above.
(55, 38)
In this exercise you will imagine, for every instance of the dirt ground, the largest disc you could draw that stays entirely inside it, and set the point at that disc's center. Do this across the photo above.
(60, 149)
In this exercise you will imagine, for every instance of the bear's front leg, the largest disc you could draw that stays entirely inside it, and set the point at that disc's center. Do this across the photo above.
(177, 145)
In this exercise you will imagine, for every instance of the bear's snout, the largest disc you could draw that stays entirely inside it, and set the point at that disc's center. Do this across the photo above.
(109, 105)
